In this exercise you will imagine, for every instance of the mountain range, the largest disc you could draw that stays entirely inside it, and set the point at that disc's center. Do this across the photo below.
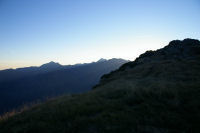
(31, 84)
(159, 92)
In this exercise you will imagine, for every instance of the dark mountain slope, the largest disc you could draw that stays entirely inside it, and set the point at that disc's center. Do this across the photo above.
(75, 79)
(169, 62)
(156, 93)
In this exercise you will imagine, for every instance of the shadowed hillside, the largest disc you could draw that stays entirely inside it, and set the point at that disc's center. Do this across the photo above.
(159, 92)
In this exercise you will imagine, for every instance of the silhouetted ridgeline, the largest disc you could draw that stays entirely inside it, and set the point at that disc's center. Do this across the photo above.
(176, 51)
(30, 84)
(159, 92)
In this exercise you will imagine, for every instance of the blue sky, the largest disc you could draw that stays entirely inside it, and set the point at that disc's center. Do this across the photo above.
(33, 32)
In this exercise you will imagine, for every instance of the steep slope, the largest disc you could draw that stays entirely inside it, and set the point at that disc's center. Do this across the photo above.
(68, 79)
(159, 92)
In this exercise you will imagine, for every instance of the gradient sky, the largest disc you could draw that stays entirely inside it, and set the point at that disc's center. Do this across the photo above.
(33, 32)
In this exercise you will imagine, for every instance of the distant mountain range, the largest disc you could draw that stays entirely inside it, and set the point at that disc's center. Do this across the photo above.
(24, 85)
(12, 74)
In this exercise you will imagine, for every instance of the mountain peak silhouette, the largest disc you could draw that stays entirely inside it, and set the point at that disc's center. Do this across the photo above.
(51, 65)
(101, 60)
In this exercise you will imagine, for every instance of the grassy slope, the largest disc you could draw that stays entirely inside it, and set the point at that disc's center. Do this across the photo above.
(158, 96)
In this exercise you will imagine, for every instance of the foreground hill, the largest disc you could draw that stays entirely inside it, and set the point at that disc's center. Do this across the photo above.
(52, 79)
(159, 92)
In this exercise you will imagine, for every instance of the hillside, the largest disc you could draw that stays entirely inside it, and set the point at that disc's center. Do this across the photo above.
(29, 85)
(159, 92)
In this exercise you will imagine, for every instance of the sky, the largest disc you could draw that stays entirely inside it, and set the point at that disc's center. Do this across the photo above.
(34, 32)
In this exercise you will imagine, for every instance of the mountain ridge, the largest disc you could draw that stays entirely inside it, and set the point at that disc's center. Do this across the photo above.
(12, 74)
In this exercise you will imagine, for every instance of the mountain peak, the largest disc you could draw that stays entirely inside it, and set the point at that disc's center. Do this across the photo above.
(176, 49)
(101, 60)
(183, 43)
(51, 64)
